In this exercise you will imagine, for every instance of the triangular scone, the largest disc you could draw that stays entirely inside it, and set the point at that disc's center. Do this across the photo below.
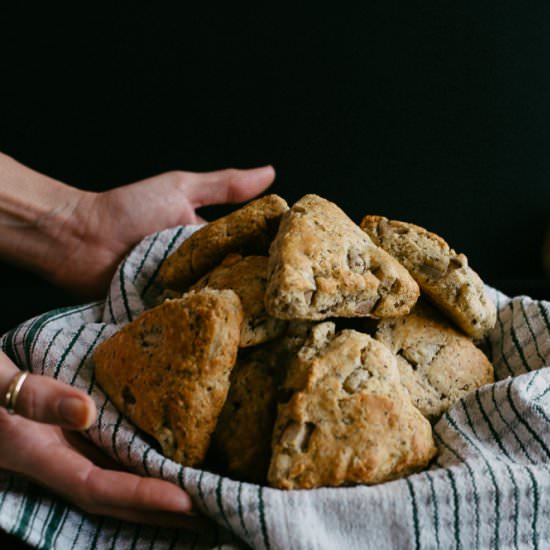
(322, 265)
(247, 276)
(349, 419)
(442, 274)
(248, 230)
(242, 439)
(438, 365)
(168, 370)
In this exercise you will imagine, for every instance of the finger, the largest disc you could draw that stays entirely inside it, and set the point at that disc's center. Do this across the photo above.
(105, 492)
(162, 519)
(46, 400)
(228, 186)
(96, 488)
(129, 491)
(155, 513)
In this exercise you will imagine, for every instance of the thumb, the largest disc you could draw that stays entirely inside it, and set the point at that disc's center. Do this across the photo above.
(46, 400)
(228, 186)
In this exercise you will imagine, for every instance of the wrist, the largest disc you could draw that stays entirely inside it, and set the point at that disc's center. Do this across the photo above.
(38, 217)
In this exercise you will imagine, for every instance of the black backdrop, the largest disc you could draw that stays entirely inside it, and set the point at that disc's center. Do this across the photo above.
(432, 112)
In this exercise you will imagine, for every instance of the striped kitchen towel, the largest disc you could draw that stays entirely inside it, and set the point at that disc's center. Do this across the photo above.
(488, 488)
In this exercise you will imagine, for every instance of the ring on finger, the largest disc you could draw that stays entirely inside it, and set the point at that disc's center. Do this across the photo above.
(14, 388)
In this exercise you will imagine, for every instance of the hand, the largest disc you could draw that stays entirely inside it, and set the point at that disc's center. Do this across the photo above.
(77, 238)
(104, 226)
(40, 442)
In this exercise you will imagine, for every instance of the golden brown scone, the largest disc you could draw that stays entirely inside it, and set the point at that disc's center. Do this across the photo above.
(349, 419)
(438, 365)
(168, 371)
(294, 338)
(247, 276)
(322, 265)
(242, 439)
(441, 273)
(248, 230)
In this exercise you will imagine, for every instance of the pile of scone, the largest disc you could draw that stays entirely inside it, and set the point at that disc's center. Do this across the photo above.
(294, 347)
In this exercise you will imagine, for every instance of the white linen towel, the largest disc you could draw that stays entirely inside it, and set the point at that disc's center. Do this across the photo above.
(488, 488)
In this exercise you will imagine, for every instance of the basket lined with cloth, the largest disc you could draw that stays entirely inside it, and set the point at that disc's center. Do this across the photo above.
(489, 487)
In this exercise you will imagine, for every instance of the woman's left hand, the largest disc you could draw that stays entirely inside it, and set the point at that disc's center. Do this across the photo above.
(102, 227)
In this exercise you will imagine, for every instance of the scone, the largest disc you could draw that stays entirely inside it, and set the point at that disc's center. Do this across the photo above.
(441, 273)
(168, 371)
(349, 419)
(438, 365)
(247, 276)
(322, 265)
(248, 230)
(242, 439)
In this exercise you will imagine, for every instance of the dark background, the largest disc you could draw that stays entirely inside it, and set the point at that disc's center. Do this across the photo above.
(432, 112)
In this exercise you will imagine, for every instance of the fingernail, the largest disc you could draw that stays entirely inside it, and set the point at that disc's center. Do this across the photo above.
(74, 411)
(185, 505)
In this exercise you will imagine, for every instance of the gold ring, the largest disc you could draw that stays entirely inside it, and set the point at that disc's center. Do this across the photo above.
(13, 391)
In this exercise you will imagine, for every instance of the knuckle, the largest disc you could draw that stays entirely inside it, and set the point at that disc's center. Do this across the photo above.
(180, 178)
(232, 178)
(231, 175)
(142, 491)
(27, 401)
(88, 493)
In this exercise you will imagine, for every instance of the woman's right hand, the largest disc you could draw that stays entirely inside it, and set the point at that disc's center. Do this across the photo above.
(41, 442)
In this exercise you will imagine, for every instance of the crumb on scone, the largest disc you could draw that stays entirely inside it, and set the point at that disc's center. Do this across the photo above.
(322, 265)
(247, 276)
(168, 370)
(248, 230)
(348, 420)
(438, 365)
(443, 275)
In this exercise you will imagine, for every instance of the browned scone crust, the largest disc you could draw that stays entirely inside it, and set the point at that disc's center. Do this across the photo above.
(168, 370)
(441, 273)
(248, 230)
(438, 365)
(242, 439)
(247, 276)
(349, 419)
(322, 265)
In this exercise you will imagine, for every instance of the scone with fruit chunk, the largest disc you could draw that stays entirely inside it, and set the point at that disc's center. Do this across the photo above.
(247, 276)
(248, 230)
(242, 439)
(168, 370)
(442, 274)
(241, 442)
(322, 265)
(438, 365)
(349, 419)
